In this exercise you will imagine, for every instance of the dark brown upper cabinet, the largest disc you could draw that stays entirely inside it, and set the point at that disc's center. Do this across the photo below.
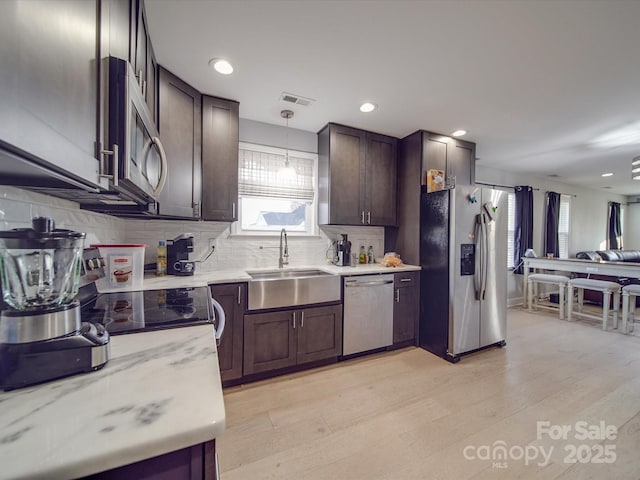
(52, 93)
(219, 159)
(419, 152)
(357, 177)
(454, 156)
(180, 126)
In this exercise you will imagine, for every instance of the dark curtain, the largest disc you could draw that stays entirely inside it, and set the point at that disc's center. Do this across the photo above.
(523, 235)
(551, 244)
(615, 229)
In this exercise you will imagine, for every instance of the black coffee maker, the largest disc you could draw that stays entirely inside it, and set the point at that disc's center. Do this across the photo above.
(178, 251)
(343, 251)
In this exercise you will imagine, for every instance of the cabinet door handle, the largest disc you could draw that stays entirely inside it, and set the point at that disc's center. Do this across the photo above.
(139, 77)
(294, 320)
(369, 217)
(301, 319)
(114, 154)
(233, 210)
(397, 295)
(144, 88)
(239, 293)
(362, 217)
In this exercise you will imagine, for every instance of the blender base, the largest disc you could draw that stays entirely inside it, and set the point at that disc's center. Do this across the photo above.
(26, 364)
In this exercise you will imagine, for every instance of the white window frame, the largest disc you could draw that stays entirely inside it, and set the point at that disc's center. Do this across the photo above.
(236, 227)
(564, 226)
(511, 229)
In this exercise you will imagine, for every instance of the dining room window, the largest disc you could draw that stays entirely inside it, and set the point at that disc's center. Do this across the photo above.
(511, 228)
(563, 226)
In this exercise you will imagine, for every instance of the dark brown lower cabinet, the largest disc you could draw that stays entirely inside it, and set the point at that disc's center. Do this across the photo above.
(198, 462)
(406, 307)
(275, 340)
(233, 299)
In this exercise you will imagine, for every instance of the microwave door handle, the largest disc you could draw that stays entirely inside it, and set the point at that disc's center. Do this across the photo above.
(221, 319)
(163, 159)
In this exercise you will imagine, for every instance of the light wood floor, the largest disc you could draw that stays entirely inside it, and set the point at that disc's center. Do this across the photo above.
(409, 415)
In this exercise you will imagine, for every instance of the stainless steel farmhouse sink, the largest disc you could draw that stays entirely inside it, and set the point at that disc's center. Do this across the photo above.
(291, 287)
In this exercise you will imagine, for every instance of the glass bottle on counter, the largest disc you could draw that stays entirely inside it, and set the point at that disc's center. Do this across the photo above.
(362, 258)
(161, 263)
(370, 256)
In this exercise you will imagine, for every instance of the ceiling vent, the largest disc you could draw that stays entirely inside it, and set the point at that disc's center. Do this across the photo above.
(296, 99)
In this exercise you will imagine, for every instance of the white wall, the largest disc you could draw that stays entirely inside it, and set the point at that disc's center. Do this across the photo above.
(588, 215)
(631, 240)
(276, 136)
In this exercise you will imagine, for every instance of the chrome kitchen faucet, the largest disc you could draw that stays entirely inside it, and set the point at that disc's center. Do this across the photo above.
(284, 254)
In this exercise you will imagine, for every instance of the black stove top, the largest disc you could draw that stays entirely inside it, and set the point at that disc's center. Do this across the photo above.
(131, 312)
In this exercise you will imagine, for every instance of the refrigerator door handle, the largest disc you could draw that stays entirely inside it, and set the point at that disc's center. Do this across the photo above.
(477, 276)
(485, 254)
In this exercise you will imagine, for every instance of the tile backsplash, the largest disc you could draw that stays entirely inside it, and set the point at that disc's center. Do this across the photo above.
(18, 206)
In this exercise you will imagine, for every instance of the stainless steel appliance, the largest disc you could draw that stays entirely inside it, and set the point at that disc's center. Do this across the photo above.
(134, 154)
(178, 251)
(368, 313)
(41, 333)
(463, 254)
(133, 312)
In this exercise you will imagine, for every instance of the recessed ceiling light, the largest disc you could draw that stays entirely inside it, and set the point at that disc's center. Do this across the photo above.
(367, 107)
(459, 133)
(221, 65)
(607, 174)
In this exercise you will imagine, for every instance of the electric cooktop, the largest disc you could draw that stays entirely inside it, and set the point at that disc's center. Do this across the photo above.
(131, 312)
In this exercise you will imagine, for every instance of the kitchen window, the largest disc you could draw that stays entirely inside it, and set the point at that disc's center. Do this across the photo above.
(276, 195)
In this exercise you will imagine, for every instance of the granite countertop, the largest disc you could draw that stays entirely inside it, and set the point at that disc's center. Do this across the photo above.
(159, 392)
(204, 278)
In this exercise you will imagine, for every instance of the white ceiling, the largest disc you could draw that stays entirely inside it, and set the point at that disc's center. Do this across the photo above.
(534, 82)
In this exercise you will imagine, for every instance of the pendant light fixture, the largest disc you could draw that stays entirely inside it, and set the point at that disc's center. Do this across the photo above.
(635, 168)
(287, 174)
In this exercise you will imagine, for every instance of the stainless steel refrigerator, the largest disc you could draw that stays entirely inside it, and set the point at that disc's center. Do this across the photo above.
(463, 254)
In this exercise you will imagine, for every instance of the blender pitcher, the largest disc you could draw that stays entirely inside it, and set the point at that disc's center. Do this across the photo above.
(40, 268)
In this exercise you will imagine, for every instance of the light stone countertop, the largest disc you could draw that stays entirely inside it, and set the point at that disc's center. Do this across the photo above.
(200, 279)
(159, 392)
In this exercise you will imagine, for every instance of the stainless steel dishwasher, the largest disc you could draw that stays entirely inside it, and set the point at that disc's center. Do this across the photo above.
(368, 313)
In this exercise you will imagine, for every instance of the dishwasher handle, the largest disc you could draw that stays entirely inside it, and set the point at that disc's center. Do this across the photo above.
(372, 283)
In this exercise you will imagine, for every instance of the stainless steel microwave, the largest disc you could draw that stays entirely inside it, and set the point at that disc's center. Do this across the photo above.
(137, 158)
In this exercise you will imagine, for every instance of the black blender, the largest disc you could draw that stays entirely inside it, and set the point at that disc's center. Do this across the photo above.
(41, 334)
